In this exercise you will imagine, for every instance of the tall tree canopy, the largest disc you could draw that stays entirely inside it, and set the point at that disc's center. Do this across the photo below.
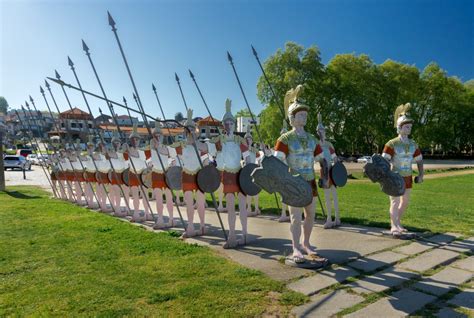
(357, 99)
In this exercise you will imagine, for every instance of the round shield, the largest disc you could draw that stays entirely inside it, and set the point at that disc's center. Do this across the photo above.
(208, 179)
(173, 178)
(145, 178)
(338, 174)
(246, 183)
(97, 176)
(125, 176)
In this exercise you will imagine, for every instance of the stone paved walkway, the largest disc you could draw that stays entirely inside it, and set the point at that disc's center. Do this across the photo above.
(371, 275)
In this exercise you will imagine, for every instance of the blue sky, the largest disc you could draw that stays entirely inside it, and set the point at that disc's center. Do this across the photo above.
(163, 37)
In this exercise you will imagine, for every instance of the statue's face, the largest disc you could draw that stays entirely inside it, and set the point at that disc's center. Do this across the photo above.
(116, 145)
(249, 141)
(229, 126)
(405, 130)
(134, 141)
(300, 118)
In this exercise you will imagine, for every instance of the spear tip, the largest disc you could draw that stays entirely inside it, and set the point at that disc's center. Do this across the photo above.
(176, 77)
(41, 89)
(229, 57)
(46, 83)
(254, 51)
(124, 100)
(191, 74)
(111, 20)
(85, 47)
(100, 111)
(57, 74)
(69, 61)
(26, 103)
(134, 96)
(153, 87)
(31, 99)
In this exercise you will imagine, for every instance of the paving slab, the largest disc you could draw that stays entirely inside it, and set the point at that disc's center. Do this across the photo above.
(399, 304)
(429, 260)
(415, 248)
(442, 238)
(464, 299)
(443, 281)
(381, 281)
(313, 284)
(465, 263)
(462, 246)
(447, 312)
(375, 261)
(328, 304)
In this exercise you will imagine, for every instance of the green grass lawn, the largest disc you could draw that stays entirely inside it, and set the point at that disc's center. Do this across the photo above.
(437, 205)
(57, 259)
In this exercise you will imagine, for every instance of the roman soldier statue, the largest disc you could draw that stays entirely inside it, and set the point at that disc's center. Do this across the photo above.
(191, 166)
(75, 159)
(232, 148)
(158, 177)
(402, 152)
(90, 175)
(301, 149)
(138, 164)
(119, 165)
(330, 157)
(102, 175)
(69, 172)
(253, 155)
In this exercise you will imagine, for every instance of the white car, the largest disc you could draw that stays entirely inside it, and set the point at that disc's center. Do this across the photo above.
(16, 162)
(364, 159)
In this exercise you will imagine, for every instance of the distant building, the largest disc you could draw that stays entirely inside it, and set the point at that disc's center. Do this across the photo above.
(124, 120)
(209, 127)
(73, 124)
(244, 122)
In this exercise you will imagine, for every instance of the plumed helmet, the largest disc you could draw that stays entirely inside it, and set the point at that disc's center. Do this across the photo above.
(134, 133)
(293, 102)
(228, 113)
(402, 115)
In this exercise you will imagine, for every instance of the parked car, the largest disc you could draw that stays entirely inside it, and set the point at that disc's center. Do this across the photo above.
(33, 158)
(16, 162)
(24, 152)
(38, 159)
(364, 159)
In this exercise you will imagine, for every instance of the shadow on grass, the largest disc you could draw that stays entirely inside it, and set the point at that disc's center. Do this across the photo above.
(20, 195)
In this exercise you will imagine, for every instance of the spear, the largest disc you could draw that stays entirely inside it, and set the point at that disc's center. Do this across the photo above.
(54, 149)
(71, 64)
(181, 90)
(31, 139)
(74, 147)
(86, 50)
(205, 104)
(202, 166)
(57, 129)
(280, 106)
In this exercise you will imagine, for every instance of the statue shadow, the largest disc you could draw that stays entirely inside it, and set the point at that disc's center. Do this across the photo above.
(20, 195)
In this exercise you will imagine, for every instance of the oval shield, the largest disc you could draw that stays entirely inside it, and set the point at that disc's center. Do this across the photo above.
(173, 178)
(338, 174)
(125, 176)
(145, 178)
(208, 179)
(246, 183)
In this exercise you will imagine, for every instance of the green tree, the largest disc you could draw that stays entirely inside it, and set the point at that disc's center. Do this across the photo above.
(3, 105)
(286, 69)
(243, 113)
